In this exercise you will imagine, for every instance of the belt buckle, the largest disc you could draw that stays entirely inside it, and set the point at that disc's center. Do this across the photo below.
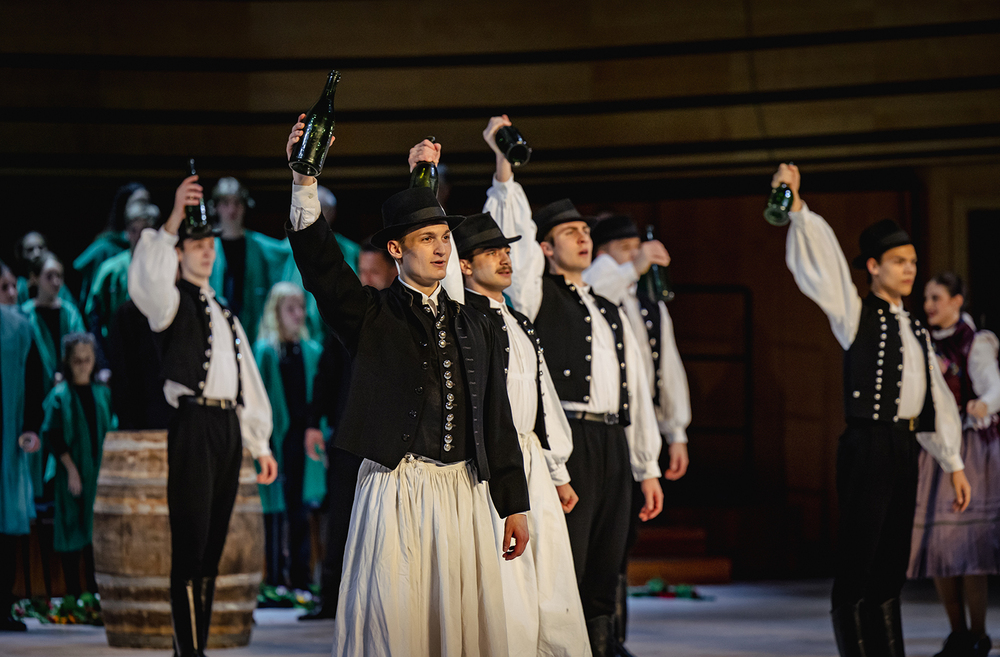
(913, 424)
(610, 418)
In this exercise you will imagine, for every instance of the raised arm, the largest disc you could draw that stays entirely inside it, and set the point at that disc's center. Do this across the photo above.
(508, 204)
(341, 298)
(152, 274)
(817, 262)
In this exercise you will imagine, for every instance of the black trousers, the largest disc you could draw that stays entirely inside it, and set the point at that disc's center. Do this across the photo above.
(598, 526)
(204, 454)
(71, 570)
(341, 481)
(877, 491)
(8, 571)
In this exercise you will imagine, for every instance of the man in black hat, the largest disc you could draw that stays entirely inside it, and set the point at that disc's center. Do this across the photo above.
(621, 259)
(544, 613)
(428, 410)
(211, 377)
(596, 367)
(895, 401)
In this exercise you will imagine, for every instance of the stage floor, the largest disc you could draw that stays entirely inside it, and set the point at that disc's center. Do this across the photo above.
(767, 619)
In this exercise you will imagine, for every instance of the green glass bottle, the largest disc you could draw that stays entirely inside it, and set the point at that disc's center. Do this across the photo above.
(425, 174)
(513, 146)
(657, 283)
(778, 205)
(195, 216)
(309, 154)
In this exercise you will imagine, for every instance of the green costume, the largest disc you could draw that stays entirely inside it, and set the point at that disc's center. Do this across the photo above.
(268, 357)
(50, 350)
(22, 292)
(74, 519)
(17, 504)
(266, 260)
(314, 323)
(104, 247)
(109, 291)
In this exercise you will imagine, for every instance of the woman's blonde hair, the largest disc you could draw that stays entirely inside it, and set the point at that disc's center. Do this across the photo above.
(269, 323)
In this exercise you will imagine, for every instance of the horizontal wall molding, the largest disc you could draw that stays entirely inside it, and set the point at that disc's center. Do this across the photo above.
(89, 62)
(124, 116)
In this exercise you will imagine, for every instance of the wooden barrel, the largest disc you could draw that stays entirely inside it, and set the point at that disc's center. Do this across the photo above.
(132, 548)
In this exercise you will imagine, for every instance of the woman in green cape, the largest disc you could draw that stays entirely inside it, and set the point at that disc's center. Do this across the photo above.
(287, 360)
(51, 318)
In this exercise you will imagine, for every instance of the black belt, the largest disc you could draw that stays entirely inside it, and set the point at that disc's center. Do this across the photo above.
(906, 425)
(598, 418)
(224, 404)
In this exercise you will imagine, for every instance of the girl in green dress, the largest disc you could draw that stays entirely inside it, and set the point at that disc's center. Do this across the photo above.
(77, 416)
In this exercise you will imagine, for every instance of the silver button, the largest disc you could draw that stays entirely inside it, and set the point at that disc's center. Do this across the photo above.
(237, 342)
(881, 353)
(895, 418)
(881, 345)
(208, 353)
(447, 375)
(878, 386)
(603, 312)
(449, 384)
(447, 448)
(625, 406)
(450, 417)
(442, 335)
(643, 312)
(619, 345)
(875, 416)
(877, 396)
(856, 394)
(442, 344)
(589, 339)
(448, 426)
(586, 398)
(504, 327)
(588, 358)
(205, 365)
(586, 378)
(656, 354)
(878, 372)
(566, 372)
(201, 385)
(897, 402)
(876, 407)
(587, 319)
(449, 406)
(614, 326)
(447, 363)
(900, 367)
(879, 361)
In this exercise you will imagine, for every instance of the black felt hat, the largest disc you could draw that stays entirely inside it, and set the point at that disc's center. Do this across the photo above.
(615, 227)
(879, 238)
(553, 214)
(480, 231)
(408, 210)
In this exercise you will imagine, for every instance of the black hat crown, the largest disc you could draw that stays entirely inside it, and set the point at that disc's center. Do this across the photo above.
(553, 214)
(480, 231)
(879, 238)
(615, 227)
(408, 210)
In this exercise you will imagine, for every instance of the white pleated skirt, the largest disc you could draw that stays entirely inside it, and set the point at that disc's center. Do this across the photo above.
(541, 598)
(422, 566)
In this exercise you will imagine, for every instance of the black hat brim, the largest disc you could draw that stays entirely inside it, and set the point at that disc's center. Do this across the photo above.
(494, 243)
(861, 261)
(382, 238)
(200, 234)
(543, 232)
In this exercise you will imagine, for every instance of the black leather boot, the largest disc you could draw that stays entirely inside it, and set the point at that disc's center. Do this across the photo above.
(884, 629)
(602, 641)
(183, 618)
(847, 630)
(204, 615)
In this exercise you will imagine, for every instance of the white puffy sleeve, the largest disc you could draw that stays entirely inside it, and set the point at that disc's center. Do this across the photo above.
(642, 433)
(559, 435)
(255, 413)
(152, 278)
(508, 204)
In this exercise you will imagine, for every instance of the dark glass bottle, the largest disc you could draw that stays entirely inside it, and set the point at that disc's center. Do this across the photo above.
(309, 154)
(425, 174)
(195, 216)
(657, 282)
(778, 205)
(512, 145)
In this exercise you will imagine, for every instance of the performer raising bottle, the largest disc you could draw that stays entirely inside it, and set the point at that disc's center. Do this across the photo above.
(895, 400)
(428, 410)
(212, 379)
(599, 377)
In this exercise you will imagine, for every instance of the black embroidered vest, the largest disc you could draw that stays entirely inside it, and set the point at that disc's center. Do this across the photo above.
(564, 326)
(482, 304)
(651, 319)
(873, 367)
(186, 345)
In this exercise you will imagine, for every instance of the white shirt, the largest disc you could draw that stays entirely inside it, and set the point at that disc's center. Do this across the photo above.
(817, 262)
(509, 206)
(522, 389)
(618, 284)
(152, 285)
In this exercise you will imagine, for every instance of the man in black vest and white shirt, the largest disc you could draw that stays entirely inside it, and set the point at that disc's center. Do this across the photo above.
(544, 614)
(211, 377)
(596, 366)
(895, 401)
(428, 410)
